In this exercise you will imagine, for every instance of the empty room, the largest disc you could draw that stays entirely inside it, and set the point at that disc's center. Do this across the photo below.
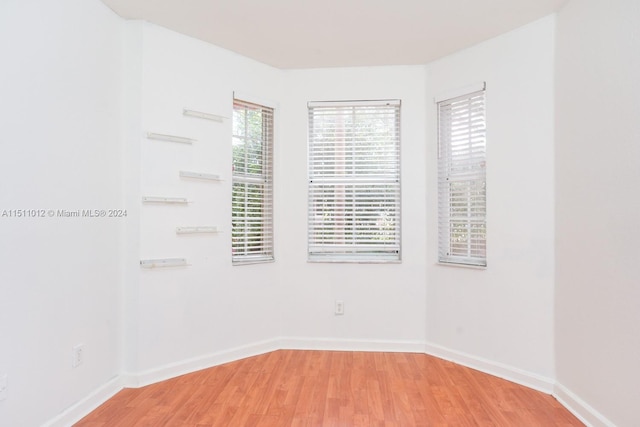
(349, 213)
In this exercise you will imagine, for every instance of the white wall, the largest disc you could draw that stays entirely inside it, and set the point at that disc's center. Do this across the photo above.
(384, 303)
(597, 209)
(185, 317)
(503, 314)
(60, 87)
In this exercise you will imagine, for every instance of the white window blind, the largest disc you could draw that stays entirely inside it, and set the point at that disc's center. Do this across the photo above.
(252, 198)
(354, 181)
(462, 225)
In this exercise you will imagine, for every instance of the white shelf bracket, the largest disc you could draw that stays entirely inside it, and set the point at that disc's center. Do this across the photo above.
(202, 115)
(167, 200)
(197, 229)
(200, 175)
(170, 138)
(163, 263)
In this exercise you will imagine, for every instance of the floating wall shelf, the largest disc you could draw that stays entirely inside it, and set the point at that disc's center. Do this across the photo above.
(197, 229)
(200, 175)
(170, 138)
(164, 262)
(169, 200)
(201, 115)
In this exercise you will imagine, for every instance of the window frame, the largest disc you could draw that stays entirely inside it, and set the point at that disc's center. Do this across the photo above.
(462, 130)
(337, 193)
(254, 238)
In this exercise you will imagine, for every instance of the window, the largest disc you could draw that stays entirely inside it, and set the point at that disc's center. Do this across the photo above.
(354, 181)
(462, 224)
(252, 200)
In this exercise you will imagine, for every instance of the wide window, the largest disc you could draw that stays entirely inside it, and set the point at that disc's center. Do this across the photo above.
(252, 201)
(354, 181)
(462, 223)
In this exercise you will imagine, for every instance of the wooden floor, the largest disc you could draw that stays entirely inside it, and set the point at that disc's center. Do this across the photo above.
(326, 388)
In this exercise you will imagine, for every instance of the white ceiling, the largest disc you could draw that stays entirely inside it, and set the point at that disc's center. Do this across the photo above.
(339, 33)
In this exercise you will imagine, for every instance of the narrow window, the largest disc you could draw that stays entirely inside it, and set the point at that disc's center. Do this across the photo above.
(462, 223)
(354, 181)
(252, 200)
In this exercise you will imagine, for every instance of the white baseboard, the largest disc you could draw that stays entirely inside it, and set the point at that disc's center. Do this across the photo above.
(331, 344)
(191, 365)
(510, 373)
(79, 410)
(581, 409)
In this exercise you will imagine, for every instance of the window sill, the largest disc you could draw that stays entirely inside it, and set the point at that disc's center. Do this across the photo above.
(253, 262)
(469, 266)
(355, 261)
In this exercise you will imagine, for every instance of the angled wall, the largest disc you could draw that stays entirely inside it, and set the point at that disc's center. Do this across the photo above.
(597, 310)
(60, 85)
(500, 319)
(183, 318)
(384, 303)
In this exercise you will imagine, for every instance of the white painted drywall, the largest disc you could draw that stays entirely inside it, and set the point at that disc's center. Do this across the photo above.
(598, 207)
(60, 87)
(504, 313)
(384, 303)
(186, 313)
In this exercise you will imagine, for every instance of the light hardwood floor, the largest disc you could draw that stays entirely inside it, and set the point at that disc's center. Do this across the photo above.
(329, 388)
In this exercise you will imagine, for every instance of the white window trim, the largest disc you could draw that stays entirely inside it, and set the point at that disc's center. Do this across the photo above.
(268, 253)
(321, 179)
(472, 158)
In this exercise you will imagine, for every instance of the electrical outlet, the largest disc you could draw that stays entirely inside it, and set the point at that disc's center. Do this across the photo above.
(77, 355)
(3, 387)
(339, 308)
